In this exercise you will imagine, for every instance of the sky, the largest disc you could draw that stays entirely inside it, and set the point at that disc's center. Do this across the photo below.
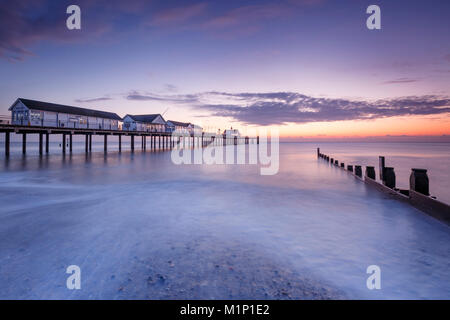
(308, 67)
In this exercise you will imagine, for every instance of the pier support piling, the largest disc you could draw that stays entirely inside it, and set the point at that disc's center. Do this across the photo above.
(86, 143)
(70, 143)
(24, 143)
(41, 143)
(47, 142)
(64, 143)
(7, 139)
(120, 143)
(105, 143)
(132, 143)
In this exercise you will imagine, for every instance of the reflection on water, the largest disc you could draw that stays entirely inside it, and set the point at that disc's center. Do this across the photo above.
(140, 226)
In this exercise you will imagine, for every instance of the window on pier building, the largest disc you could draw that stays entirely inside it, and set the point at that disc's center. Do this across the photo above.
(35, 115)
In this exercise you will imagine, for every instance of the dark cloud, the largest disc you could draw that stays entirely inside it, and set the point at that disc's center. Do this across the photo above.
(277, 108)
(287, 107)
(24, 23)
(400, 80)
(177, 15)
(170, 87)
(136, 96)
(93, 100)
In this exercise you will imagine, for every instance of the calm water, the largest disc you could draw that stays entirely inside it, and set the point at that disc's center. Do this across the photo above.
(142, 227)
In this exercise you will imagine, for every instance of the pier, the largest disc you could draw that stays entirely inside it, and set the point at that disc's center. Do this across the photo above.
(417, 195)
(157, 140)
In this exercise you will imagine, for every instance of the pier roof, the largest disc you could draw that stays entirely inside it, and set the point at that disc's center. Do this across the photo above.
(53, 107)
(180, 124)
(145, 117)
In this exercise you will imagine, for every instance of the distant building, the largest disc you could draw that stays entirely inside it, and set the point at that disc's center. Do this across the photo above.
(179, 127)
(37, 113)
(145, 122)
(231, 133)
(197, 130)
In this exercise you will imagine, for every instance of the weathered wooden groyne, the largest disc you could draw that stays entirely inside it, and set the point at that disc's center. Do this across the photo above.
(418, 194)
(157, 140)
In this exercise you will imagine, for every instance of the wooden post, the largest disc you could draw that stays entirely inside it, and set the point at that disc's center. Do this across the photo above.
(358, 171)
(86, 143)
(105, 143)
(47, 142)
(389, 177)
(24, 143)
(70, 143)
(418, 181)
(120, 143)
(41, 138)
(159, 143)
(90, 142)
(382, 165)
(370, 172)
(7, 143)
(64, 143)
(132, 143)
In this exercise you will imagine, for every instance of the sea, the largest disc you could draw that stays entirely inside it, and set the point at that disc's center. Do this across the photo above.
(140, 226)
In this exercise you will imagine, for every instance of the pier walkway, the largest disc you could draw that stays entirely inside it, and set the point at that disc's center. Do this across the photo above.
(166, 140)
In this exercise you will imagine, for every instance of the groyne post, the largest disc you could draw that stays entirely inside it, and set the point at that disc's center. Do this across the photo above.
(370, 172)
(381, 161)
(419, 182)
(389, 177)
(350, 167)
(358, 171)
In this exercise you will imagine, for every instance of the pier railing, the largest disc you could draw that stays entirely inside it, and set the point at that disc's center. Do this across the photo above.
(418, 194)
(158, 140)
